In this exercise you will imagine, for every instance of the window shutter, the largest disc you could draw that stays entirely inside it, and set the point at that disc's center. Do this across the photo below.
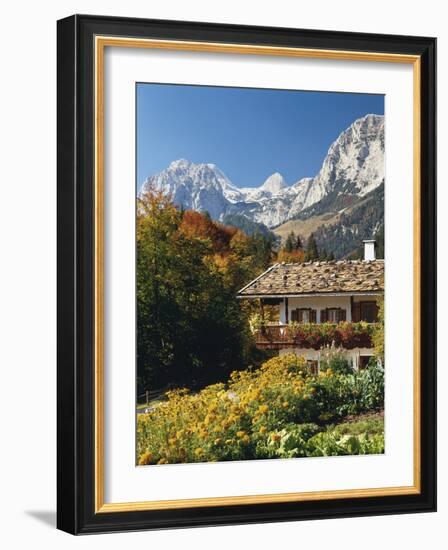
(300, 315)
(342, 315)
(356, 312)
(323, 315)
(376, 312)
(312, 315)
(294, 316)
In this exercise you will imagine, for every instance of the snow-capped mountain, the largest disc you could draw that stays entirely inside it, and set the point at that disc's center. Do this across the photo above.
(354, 166)
(355, 161)
(274, 185)
(197, 187)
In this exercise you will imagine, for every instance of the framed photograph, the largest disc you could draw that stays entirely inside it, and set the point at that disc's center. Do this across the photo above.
(246, 274)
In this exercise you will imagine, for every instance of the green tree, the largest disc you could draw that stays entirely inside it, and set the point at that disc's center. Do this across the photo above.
(190, 328)
(323, 255)
(378, 334)
(290, 242)
(311, 253)
(379, 238)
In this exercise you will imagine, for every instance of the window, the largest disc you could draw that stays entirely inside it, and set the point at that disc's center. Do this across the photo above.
(363, 361)
(303, 315)
(369, 312)
(332, 315)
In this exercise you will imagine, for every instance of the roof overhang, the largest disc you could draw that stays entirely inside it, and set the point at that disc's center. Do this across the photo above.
(311, 294)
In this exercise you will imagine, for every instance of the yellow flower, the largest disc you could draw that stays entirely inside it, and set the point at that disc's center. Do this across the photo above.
(162, 461)
(229, 441)
(145, 458)
(241, 433)
(285, 404)
(246, 438)
(198, 451)
(263, 409)
(172, 440)
(209, 418)
(218, 441)
(263, 429)
(276, 437)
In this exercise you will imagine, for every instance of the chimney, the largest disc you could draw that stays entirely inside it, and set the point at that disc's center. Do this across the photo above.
(369, 250)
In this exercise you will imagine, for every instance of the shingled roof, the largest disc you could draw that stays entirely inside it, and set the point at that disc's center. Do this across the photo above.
(345, 276)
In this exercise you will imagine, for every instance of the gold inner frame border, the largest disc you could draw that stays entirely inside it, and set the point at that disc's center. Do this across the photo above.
(101, 42)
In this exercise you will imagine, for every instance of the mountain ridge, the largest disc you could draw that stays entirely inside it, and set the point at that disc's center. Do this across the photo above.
(352, 168)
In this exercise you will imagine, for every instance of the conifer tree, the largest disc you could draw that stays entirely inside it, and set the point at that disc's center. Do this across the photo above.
(312, 253)
(290, 242)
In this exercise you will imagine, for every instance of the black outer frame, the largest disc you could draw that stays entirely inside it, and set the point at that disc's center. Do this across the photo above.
(75, 310)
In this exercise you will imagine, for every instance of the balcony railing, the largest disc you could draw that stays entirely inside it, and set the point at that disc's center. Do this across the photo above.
(315, 335)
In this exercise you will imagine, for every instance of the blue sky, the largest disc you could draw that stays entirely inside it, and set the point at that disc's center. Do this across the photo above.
(248, 133)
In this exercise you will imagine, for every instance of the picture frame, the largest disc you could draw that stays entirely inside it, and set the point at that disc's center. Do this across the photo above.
(82, 42)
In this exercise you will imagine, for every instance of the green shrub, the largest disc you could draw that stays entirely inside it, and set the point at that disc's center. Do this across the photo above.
(335, 359)
(332, 444)
(370, 426)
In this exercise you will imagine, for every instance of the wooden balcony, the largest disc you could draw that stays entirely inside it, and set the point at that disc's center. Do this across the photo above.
(274, 337)
(315, 335)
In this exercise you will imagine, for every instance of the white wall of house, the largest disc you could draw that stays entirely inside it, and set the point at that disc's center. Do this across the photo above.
(317, 303)
(321, 302)
(352, 355)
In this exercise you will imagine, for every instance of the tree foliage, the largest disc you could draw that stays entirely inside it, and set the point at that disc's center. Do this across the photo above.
(378, 335)
(190, 328)
(362, 221)
(292, 251)
(311, 253)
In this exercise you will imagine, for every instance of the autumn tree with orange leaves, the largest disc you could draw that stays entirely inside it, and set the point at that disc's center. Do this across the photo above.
(191, 330)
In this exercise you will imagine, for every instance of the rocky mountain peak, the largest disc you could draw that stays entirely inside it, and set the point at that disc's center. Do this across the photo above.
(182, 164)
(353, 167)
(274, 183)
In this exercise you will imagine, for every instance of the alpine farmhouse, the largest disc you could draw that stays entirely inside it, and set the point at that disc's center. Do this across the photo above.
(342, 294)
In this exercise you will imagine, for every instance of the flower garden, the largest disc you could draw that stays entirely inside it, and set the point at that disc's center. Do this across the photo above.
(280, 410)
(316, 336)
